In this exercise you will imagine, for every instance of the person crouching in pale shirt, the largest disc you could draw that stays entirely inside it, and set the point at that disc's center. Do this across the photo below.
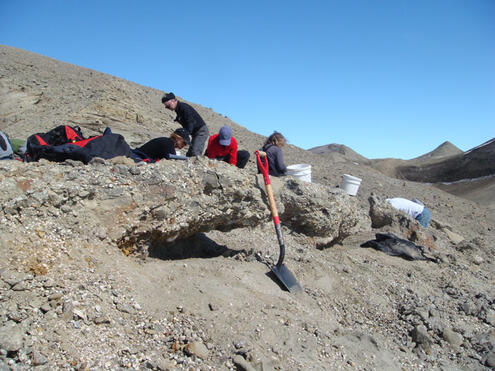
(223, 147)
(414, 209)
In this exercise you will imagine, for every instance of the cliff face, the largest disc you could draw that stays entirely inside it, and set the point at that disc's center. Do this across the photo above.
(167, 266)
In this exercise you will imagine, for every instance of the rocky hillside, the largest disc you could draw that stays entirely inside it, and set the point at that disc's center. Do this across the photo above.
(114, 265)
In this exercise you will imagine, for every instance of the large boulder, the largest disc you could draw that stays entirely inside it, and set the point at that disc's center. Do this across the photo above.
(383, 214)
(320, 211)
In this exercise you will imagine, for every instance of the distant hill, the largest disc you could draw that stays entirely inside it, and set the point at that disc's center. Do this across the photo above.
(341, 149)
(443, 150)
(390, 166)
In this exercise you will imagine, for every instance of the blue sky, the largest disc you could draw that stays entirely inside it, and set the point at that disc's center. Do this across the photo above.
(388, 78)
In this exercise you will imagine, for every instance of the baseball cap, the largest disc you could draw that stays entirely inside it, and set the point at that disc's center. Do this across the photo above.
(224, 135)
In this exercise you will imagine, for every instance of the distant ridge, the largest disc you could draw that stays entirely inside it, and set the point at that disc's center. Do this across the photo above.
(345, 151)
(475, 163)
(394, 167)
(488, 142)
(445, 149)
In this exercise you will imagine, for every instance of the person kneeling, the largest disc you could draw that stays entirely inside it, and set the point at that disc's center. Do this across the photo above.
(223, 147)
(162, 147)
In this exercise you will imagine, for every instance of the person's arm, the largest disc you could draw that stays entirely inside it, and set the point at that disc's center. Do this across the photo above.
(209, 148)
(169, 149)
(233, 152)
(279, 162)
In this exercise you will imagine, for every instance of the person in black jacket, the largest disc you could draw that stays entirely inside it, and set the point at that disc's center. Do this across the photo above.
(162, 147)
(273, 149)
(191, 121)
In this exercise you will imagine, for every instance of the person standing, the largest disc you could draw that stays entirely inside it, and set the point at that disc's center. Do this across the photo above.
(223, 147)
(191, 121)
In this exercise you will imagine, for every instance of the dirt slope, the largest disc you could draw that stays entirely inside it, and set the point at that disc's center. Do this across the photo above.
(96, 308)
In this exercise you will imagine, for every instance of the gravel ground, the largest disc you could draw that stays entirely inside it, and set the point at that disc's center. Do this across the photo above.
(70, 299)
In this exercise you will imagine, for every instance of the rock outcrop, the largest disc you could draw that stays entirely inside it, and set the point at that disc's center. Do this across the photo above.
(320, 211)
(148, 206)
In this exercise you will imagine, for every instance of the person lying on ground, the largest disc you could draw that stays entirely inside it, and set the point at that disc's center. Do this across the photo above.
(191, 121)
(162, 147)
(273, 149)
(415, 209)
(223, 147)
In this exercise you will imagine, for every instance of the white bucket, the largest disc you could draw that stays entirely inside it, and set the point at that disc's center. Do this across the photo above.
(300, 171)
(350, 184)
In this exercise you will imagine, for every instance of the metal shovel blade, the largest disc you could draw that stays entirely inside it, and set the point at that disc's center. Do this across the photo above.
(287, 278)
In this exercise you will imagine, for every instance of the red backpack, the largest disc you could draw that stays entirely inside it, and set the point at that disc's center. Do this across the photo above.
(67, 142)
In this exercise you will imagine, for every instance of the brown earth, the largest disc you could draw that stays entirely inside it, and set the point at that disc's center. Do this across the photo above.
(214, 305)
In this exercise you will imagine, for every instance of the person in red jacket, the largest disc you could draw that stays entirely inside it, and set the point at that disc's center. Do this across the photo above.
(223, 147)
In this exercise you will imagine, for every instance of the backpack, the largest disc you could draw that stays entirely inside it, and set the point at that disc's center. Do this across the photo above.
(67, 142)
(6, 151)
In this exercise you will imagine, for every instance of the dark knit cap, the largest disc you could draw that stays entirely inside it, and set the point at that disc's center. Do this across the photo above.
(183, 133)
(167, 97)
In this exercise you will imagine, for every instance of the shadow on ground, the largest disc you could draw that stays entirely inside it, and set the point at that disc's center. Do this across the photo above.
(197, 246)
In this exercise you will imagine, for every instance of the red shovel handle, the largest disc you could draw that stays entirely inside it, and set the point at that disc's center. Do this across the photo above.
(269, 191)
(273, 206)
(263, 167)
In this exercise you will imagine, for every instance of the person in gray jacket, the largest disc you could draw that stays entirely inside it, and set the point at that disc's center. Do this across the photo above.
(191, 121)
(273, 149)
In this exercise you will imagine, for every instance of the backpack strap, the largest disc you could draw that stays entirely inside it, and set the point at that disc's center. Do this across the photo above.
(40, 140)
(71, 134)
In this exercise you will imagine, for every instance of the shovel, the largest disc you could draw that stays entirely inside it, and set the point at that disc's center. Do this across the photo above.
(280, 270)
